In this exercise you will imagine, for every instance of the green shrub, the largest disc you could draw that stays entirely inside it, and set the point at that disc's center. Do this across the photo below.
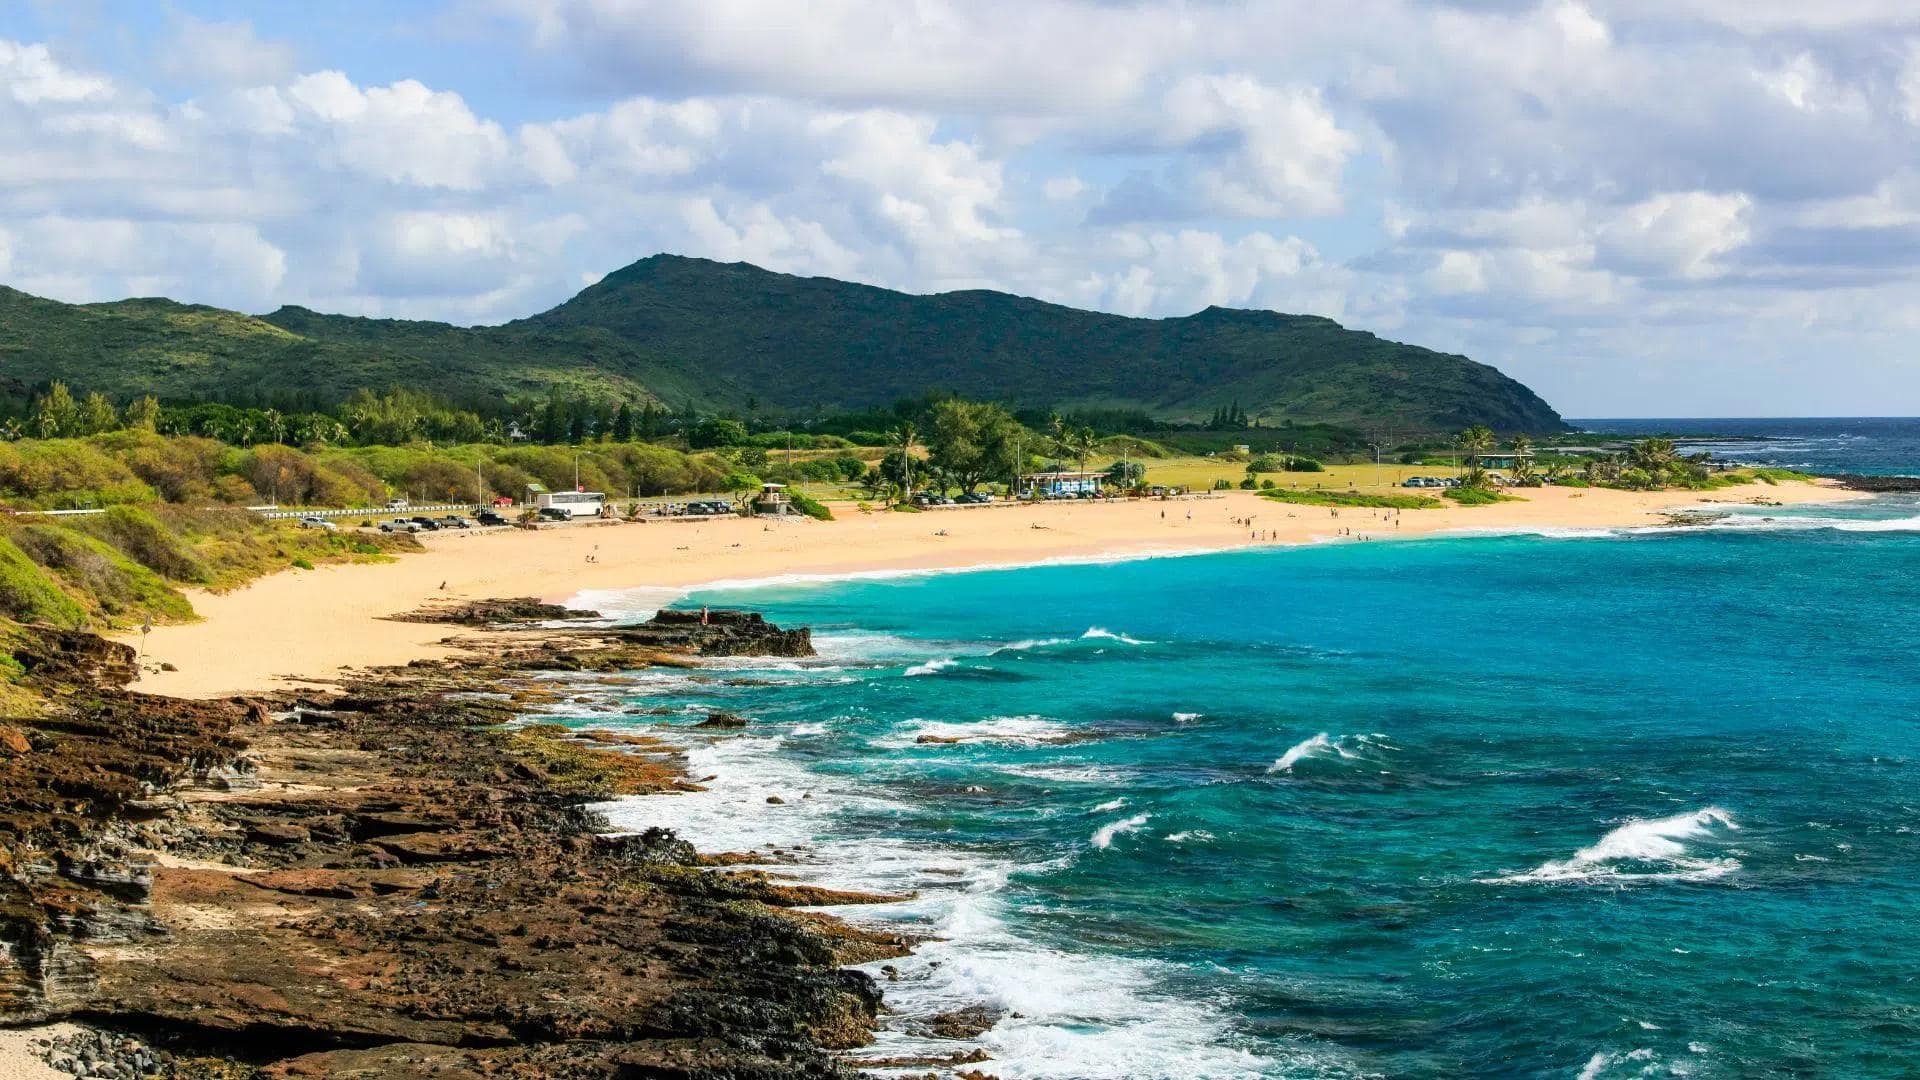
(1352, 498)
(904, 508)
(103, 579)
(1304, 464)
(141, 537)
(809, 505)
(29, 595)
(302, 564)
(1477, 496)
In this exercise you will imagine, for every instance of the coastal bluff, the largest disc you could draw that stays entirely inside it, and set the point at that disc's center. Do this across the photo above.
(399, 880)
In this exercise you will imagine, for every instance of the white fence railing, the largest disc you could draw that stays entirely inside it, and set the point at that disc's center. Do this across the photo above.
(366, 512)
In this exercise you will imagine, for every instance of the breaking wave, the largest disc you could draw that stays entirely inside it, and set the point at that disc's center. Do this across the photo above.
(1642, 849)
(1342, 747)
(1016, 730)
(1103, 836)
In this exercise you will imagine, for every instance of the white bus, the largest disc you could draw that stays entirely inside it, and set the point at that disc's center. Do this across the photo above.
(572, 503)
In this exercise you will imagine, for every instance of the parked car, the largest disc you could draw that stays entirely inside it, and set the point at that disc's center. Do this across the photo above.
(554, 513)
(489, 517)
(455, 521)
(425, 523)
(398, 504)
(399, 525)
(974, 498)
(321, 523)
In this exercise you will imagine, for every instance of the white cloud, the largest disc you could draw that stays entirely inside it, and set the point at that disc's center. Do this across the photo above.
(31, 76)
(1542, 182)
(1681, 234)
(1063, 188)
(404, 133)
(1287, 152)
(202, 52)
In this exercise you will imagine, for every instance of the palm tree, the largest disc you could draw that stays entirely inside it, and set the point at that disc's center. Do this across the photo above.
(904, 437)
(1475, 441)
(1654, 456)
(1081, 441)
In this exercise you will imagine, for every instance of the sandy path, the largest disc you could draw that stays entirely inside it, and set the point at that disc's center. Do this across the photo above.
(314, 623)
(20, 1059)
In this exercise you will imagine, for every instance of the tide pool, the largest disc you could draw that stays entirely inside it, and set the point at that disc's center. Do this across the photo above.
(1610, 805)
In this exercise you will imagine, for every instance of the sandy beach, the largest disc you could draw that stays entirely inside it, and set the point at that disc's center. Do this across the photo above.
(304, 627)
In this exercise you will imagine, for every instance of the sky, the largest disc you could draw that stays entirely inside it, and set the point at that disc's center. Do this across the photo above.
(1637, 207)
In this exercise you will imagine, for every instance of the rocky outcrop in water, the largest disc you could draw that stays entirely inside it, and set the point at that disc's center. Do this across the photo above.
(524, 609)
(388, 883)
(1884, 485)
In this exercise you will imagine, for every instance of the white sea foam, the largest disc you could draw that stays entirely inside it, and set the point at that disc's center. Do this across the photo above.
(1186, 717)
(1103, 836)
(932, 667)
(1070, 1016)
(1067, 774)
(1030, 644)
(847, 646)
(1198, 836)
(1318, 744)
(1030, 730)
(1642, 849)
(1099, 633)
(790, 580)
(1343, 747)
(1111, 804)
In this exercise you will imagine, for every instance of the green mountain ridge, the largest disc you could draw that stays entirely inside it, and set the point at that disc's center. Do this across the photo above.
(732, 336)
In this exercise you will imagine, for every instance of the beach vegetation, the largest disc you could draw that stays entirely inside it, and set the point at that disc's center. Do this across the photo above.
(1126, 475)
(1478, 495)
(973, 442)
(109, 586)
(28, 593)
(1351, 498)
(808, 505)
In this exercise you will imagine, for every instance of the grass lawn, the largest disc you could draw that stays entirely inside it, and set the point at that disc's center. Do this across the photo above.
(1199, 473)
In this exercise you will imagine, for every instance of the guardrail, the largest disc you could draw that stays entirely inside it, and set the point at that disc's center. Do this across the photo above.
(366, 512)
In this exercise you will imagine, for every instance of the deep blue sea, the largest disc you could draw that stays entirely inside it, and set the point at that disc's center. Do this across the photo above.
(1595, 804)
(1882, 445)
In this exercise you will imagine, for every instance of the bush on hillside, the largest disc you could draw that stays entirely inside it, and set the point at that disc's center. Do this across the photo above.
(139, 535)
(100, 576)
(28, 594)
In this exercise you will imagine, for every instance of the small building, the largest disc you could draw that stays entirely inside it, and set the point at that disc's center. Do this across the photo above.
(773, 499)
(1061, 481)
(1503, 459)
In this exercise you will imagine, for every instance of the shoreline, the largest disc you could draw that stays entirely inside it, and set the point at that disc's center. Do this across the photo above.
(404, 880)
(304, 629)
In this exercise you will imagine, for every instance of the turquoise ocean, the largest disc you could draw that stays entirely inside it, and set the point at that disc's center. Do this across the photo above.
(1595, 803)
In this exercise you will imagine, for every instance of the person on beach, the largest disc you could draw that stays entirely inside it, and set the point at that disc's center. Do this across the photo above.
(703, 615)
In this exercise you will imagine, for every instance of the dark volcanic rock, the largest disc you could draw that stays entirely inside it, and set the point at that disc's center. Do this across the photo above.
(523, 609)
(721, 633)
(1878, 484)
(964, 1023)
(395, 883)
